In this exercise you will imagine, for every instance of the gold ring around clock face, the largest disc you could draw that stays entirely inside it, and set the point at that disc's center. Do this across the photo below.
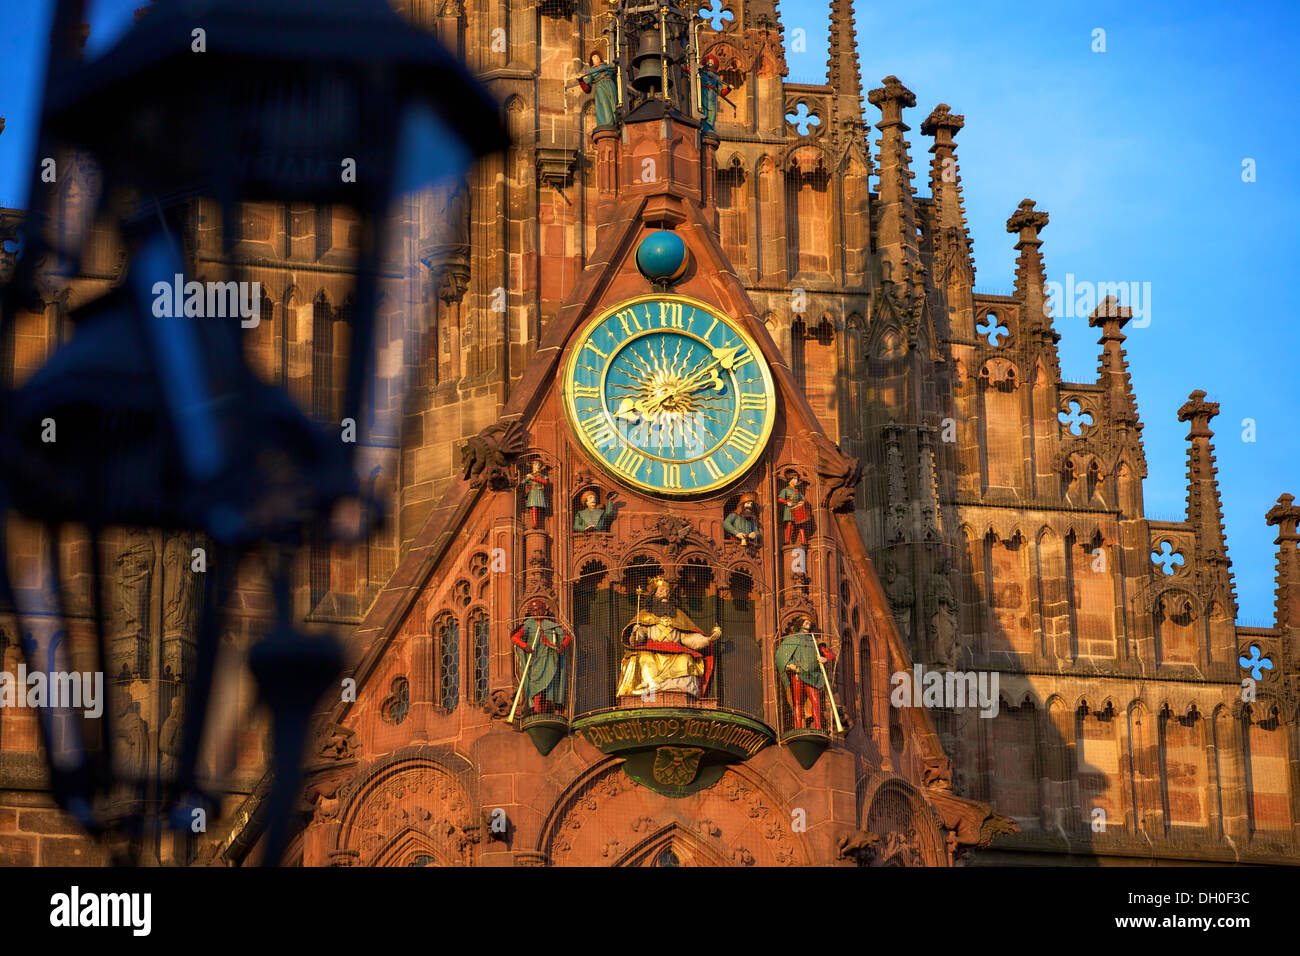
(669, 395)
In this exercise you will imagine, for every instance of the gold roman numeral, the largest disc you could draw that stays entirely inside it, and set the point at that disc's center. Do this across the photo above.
(590, 391)
(629, 462)
(591, 346)
(670, 314)
(624, 317)
(672, 476)
(714, 471)
(742, 440)
(712, 327)
(753, 401)
(741, 360)
(598, 430)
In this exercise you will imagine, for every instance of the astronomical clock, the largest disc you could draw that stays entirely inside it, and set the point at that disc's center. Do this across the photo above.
(657, 538)
(669, 395)
(648, 562)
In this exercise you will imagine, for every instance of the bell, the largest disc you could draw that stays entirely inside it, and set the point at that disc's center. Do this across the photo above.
(648, 64)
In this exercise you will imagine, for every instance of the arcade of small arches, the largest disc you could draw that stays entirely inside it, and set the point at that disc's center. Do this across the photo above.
(1163, 767)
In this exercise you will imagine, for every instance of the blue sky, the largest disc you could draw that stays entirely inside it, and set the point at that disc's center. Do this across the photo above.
(1136, 153)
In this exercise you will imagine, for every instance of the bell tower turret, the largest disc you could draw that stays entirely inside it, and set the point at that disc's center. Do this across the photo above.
(654, 50)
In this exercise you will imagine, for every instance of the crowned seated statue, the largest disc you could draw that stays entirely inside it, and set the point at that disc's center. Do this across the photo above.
(665, 650)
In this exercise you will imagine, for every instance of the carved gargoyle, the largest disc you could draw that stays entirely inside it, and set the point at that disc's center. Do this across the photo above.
(938, 773)
(337, 743)
(859, 846)
(839, 473)
(974, 824)
(995, 824)
(486, 457)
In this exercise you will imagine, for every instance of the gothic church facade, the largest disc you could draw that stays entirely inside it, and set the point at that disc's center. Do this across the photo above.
(958, 508)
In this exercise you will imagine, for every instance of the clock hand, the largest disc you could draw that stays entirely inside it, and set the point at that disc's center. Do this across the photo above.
(712, 379)
(648, 407)
(632, 408)
(725, 358)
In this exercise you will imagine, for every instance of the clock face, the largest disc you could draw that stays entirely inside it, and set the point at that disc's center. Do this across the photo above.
(669, 395)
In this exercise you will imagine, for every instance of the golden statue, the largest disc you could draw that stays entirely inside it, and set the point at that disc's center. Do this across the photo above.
(666, 651)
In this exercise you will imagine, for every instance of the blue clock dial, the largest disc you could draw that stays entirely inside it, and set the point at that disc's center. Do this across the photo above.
(669, 395)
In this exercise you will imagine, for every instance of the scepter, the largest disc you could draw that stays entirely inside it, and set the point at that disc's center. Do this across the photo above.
(663, 50)
(618, 48)
(821, 666)
(695, 72)
(523, 677)
(640, 589)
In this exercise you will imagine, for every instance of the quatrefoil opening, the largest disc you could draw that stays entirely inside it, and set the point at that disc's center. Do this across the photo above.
(1167, 558)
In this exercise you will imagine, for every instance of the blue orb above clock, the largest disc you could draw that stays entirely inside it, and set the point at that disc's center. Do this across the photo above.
(661, 256)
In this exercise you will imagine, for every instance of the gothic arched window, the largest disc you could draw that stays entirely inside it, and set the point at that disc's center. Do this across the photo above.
(864, 669)
(798, 336)
(322, 359)
(322, 389)
(845, 667)
(398, 705)
(667, 857)
(446, 631)
(478, 629)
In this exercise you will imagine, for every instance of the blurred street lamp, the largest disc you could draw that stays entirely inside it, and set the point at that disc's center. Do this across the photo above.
(161, 420)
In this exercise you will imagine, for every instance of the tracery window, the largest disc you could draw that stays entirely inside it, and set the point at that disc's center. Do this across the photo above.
(446, 631)
(865, 697)
(478, 629)
(667, 857)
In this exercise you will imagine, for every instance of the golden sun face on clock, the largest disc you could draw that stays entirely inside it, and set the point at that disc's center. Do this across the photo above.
(669, 395)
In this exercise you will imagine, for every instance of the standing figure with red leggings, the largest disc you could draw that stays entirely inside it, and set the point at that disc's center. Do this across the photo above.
(536, 485)
(800, 659)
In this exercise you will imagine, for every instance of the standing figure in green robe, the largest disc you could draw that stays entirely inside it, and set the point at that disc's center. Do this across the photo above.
(543, 641)
(800, 658)
(712, 88)
(601, 79)
(590, 517)
(535, 484)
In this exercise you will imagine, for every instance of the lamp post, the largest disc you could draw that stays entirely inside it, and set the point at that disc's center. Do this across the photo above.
(161, 420)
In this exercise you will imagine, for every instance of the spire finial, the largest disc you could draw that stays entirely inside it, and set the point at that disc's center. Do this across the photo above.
(952, 242)
(1031, 276)
(842, 74)
(1112, 370)
(1285, 515)
(1029, 222)
(1199, 412)
(897, 243)
(891, 99)
(1204, 510)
